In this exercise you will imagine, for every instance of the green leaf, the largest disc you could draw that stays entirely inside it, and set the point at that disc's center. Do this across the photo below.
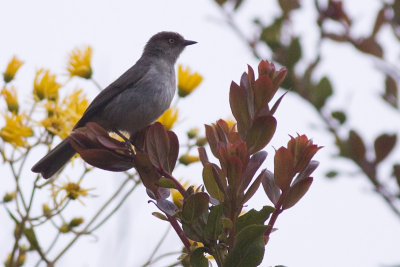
(253, 217)
(31, 236)
(331, 174)
(271, 34)
(197, 258)
(214, 223)
(293, 53)
(211, 179)
(383, 145)
(159, 216)
(248, 249)
(166, 183)
(340, 116)
(321, 92)
(288, 5)
(194, 206)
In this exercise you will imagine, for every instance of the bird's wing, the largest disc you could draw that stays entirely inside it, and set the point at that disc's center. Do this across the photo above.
(125, 81)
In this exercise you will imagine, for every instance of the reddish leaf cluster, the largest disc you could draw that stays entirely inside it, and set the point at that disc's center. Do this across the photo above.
(249, 103)
(228, 183)
(158, 158)
(97, 148)
(295, 159)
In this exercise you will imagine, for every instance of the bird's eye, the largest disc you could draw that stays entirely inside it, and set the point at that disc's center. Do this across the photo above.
(171, 41)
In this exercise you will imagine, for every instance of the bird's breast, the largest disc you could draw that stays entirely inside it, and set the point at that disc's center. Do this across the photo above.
(142, 103)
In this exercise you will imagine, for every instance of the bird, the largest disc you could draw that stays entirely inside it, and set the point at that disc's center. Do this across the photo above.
(130, 103)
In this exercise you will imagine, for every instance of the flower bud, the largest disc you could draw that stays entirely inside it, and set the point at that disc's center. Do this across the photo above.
(187, 159)
(8, 197)
(12, 69)
(76, 222)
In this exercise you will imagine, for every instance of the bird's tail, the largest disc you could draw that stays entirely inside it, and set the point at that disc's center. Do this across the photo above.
(55, 159)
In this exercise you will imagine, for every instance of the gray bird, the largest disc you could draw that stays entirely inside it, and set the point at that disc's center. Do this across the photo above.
(132, 102)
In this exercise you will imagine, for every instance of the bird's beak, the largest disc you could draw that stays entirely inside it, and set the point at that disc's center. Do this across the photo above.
(188, 42)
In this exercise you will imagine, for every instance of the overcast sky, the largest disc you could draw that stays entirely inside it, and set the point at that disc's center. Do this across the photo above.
(338, 223)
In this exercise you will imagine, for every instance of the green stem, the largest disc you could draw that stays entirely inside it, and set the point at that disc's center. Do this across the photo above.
(162, 239)
(98, 213)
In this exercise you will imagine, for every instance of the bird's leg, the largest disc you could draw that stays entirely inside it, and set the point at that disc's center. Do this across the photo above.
(128, 143)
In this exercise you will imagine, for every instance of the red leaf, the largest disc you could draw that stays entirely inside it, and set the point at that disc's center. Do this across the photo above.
(263, 92)
(283, 168)
(148, 174)
(157, 145)
(212, 139)
(383, 145)
(234, 171)
(240, 108)
(260, 133)
(356, 146)
(296, 192)
(173, 150)
(106, 160)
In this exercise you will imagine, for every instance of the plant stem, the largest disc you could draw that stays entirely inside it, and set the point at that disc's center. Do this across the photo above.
(98, 213)
(179, 231)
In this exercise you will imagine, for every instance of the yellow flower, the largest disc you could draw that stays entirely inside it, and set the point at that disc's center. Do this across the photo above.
(231, 122)
(187, 81)
(14, 131)
(169, 117)
(62, 116)
(79, 63)
(10, 95)
(177, 197)
(45, 85)
(12, 69)
(72, 191)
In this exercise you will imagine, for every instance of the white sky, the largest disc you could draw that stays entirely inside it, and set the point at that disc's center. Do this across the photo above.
(338, 223)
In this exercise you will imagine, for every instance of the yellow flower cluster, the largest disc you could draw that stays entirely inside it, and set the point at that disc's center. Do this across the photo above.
(12, 69)
(169, 117)
(62, 116)
(79, 63)
(187, 81)
(15, 131)
(45, 85)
